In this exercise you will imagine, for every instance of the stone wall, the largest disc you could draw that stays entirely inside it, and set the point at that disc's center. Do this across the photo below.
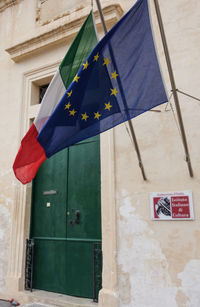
(159, 261)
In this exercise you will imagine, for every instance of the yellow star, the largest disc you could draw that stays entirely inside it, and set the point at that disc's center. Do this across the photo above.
(113, 91)
(76, 78)
(108, 106)
(72, 112)
(85, 65)
(69, 94)
(96, 57)
(67, 106)
(114, 75)
(84, 116)
(106, 62)
(97, 115)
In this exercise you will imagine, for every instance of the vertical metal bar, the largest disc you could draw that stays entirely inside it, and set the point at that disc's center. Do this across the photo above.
(25, 283)
(129, 121)
(94, 273)
(32, 262)
(174, 90)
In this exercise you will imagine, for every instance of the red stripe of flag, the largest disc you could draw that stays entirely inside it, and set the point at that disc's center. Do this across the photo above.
(30, 156)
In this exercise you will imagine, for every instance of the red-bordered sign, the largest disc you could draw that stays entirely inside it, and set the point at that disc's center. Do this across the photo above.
(171, 205)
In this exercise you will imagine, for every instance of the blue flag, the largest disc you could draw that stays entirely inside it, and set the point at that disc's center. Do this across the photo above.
(120, 80)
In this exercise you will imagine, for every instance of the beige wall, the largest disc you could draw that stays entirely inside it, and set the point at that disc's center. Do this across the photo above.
(159, 262)
(145, 262)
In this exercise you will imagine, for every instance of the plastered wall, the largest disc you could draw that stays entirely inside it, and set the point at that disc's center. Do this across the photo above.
(159, 261)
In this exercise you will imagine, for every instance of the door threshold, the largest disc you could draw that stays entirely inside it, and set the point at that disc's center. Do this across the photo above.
(55, 299)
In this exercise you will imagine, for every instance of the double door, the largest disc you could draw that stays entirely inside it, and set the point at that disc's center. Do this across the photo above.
(66, 220)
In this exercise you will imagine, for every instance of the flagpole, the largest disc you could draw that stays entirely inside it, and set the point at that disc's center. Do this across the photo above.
(173, 85)
(129, 121)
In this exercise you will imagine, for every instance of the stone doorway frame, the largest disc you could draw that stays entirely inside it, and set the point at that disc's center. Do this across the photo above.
(22, 209)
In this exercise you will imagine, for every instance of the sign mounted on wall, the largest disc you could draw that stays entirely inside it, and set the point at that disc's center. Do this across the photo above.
(171, 205)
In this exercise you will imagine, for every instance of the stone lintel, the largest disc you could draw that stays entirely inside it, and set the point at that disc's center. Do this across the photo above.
(61, 33)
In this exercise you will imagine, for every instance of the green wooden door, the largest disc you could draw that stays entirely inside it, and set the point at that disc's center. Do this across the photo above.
(66, 219)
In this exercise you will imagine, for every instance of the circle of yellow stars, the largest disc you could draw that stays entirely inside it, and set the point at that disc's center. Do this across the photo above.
(114, 91)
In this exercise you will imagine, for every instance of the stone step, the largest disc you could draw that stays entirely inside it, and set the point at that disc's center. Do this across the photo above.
(40, 298)
(35, 305)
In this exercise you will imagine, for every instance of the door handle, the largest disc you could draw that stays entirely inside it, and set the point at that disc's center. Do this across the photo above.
(77, 215)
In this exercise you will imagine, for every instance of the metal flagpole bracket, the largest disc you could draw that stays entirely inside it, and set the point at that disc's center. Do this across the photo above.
(174, 89)
(188, 95)
(129, 121)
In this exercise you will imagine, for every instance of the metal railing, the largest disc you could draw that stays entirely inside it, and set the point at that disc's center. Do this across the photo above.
(29, 264)
(97, 270)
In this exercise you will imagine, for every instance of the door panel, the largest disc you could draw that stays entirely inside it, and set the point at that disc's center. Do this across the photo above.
(50, 265)
(67, 183)
(49, 210)
(79, 269)
(84, 191)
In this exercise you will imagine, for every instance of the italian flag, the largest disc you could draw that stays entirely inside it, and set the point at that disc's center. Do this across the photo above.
(31, 154)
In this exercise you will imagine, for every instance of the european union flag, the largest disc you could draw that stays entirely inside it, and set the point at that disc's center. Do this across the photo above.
(120, 80)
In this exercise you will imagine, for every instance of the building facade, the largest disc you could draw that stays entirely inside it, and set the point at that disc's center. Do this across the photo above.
(145, 262)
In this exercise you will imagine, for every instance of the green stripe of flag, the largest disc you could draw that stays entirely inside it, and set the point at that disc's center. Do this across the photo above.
(78, 52)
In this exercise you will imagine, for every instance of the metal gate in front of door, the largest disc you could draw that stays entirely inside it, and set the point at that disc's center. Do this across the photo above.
(97, 267)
